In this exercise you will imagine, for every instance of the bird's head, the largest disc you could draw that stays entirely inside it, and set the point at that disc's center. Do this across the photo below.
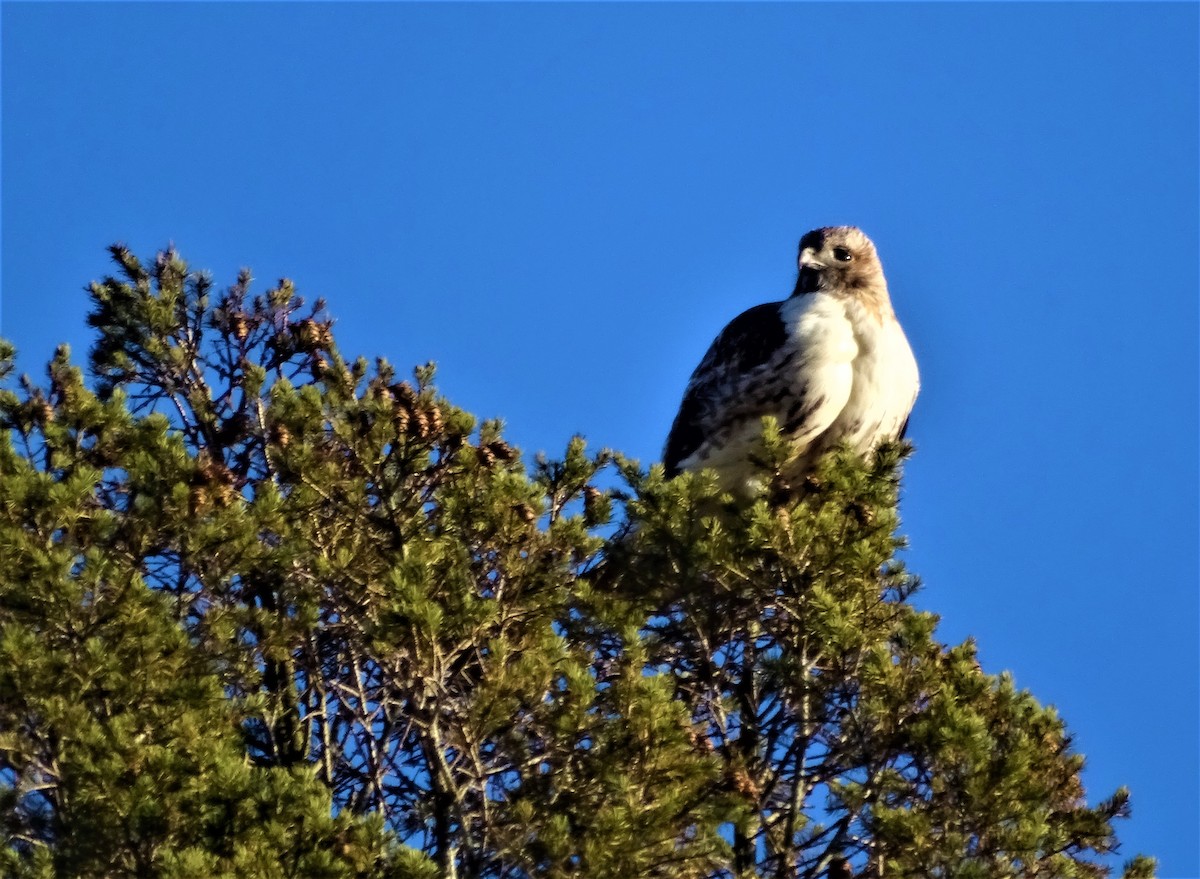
(838, 258)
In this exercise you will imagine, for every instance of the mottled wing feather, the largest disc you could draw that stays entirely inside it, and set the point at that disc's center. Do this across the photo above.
(748, 342)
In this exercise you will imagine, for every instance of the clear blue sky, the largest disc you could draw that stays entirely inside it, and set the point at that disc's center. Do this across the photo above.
(561, 204)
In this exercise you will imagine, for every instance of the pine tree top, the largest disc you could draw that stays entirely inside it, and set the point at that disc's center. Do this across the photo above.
(269, 611)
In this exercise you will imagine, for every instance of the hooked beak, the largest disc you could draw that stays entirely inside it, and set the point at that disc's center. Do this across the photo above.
(808, 259)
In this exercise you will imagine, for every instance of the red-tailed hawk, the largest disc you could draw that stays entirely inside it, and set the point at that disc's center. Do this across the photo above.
(830, 362)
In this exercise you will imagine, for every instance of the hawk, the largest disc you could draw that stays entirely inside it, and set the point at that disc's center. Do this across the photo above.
(830, 362)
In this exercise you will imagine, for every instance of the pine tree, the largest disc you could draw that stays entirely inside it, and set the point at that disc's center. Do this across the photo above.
(265, 611)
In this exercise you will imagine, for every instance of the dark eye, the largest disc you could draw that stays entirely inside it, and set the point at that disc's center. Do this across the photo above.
(841, 254)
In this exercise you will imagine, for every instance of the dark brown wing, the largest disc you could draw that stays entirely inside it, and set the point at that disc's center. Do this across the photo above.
(749, 341)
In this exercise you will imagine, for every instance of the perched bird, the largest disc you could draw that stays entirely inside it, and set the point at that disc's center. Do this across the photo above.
(830, 362)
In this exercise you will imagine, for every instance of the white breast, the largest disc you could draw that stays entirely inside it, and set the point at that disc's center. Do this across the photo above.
(857, 370)
(823, 374)
(884, 384)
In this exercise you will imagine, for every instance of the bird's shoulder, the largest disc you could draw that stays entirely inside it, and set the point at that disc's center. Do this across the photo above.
(749, 340)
